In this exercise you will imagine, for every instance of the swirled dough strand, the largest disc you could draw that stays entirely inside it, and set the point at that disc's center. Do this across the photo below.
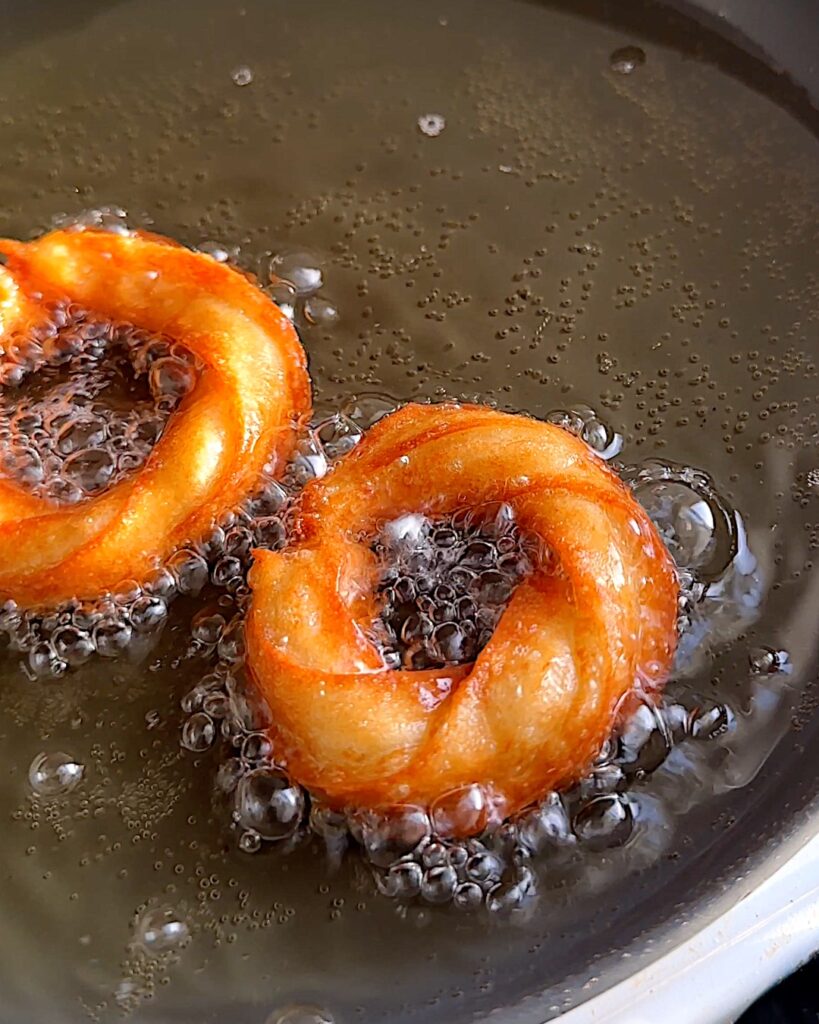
(594, 621)
(240, 413)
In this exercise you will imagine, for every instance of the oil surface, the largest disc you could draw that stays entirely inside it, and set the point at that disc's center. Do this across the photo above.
(486, 201)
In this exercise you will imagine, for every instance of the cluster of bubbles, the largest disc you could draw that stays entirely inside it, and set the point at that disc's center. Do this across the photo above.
(410, 849)
(263, 521)
(221, 709)
(293, 279)
(444, 585)
(492, 872)
(414, 860)
(84, 400)
(127, 621)
(583, 422)
(109, 217)
(722, 583)
(481, 554)
(446, 582)
(410, 857)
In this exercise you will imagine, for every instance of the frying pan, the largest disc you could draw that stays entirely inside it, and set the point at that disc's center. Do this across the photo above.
(684, 195)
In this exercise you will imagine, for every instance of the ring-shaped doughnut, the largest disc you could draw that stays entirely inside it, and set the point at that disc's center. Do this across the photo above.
(239, 415)
(595, 621)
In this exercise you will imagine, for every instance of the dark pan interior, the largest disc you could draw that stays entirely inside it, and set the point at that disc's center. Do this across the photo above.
(685, 196)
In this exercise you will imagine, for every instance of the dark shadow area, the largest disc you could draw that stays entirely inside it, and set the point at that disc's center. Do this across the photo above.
(794, 1001)
(740, 43)
(28, 24)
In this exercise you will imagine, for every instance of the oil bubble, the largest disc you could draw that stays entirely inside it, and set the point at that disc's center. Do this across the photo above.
(602, 439)
(431, 125)
(147, 613)
(250, 841)
(484, 866)
(687, 520)
(284, 294)
(161, 930)
(584, 422)
(198, 732)
(320, 312)
(309, 462)
(54, 774)
(402, 881)
(604, 822)
(268, 804)
(546, 825)
(43, 660)
(242, 75)
(697, 525)
(301, 269)
(338, 435)
(627, 59)
(257, 747)
(72, 645)
(462, 811)
(643, 743)
(172, 377)
(368, 407)
(190, 571)
(468, 896)
(111, 637)
(767, 661)
(301, 1013)
(709, 723)
(444, 586)
(439, 884)
(216, 250)
(387, 837)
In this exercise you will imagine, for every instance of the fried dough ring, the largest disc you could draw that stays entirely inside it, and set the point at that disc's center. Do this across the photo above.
(239, 414)
(536, 706)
